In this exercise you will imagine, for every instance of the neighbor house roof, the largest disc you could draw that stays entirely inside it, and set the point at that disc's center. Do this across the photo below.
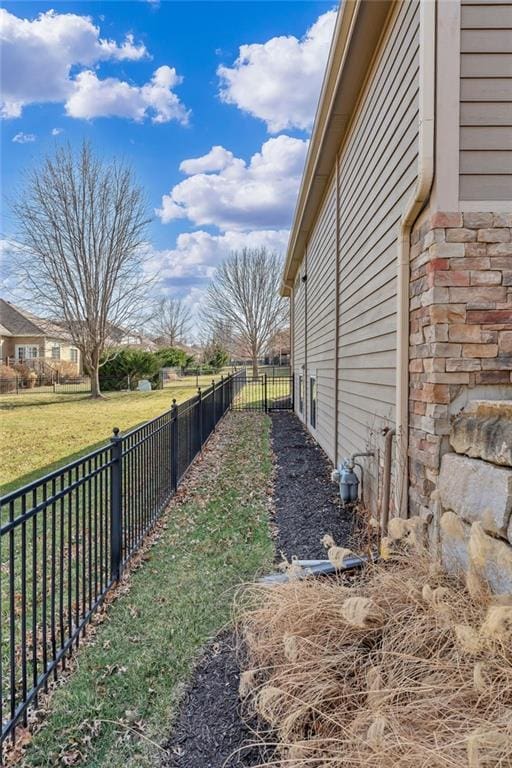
(20, 322)
(359, 26)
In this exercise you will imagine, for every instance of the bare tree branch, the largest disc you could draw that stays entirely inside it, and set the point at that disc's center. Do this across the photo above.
(243, 296)
(82, 225)
(172, 323)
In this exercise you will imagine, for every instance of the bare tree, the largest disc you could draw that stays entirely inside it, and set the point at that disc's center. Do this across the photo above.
(82, 223)
(172, 321)
(244, 296)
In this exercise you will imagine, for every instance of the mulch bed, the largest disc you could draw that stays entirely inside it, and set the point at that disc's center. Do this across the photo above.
(209, 731)
(307, 504)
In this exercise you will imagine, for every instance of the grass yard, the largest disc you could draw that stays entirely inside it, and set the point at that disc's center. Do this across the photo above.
(117, 706)
(40, 432)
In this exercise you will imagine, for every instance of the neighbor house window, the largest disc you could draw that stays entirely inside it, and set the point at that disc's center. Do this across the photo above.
(301, 392)
(73, 355)
(26, 352)
(312, 401)
(55, 352)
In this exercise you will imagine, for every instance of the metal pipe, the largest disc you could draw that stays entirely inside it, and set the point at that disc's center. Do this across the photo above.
(361, 455)
(322, 568)
(357, 464)
(386, 489)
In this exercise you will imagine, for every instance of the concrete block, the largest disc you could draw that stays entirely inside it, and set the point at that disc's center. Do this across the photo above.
(477, 491)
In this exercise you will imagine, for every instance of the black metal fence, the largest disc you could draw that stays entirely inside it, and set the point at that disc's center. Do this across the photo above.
(39, 384)
(263, 393)
(65, 538)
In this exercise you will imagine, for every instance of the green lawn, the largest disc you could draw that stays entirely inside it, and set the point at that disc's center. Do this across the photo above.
(252, 395)
(39, 432)
(118, 704)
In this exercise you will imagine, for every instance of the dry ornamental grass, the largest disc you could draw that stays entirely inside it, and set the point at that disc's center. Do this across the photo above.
(403, 669)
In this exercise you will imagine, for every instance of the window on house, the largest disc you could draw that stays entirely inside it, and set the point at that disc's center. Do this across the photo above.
(26, 352)
(73, 355)
(301, 392)
(312, 401)
(55, 352)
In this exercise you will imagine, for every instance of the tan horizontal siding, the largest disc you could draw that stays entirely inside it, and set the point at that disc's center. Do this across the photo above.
(485, 41)
(377, 173)
(486, 16)
(486, 101)
(483, 90)
(298, 352)
(491, 187)
(486, 64)
(321, 326)
(498, 162)
(496, 113)
(486, 137)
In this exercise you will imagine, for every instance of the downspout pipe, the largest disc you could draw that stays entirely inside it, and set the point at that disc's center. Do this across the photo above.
(417, 202)
(386, 488)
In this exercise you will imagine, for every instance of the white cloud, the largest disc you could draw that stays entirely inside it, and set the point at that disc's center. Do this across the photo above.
(56, 131)
(216, 159)
(23, 138)
(39, 61)
(240, 196)
(197, 254)
(114, 98)
(279, 81)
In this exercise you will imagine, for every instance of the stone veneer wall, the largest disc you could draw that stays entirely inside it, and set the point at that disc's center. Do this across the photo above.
(460, 332)
(470, 523)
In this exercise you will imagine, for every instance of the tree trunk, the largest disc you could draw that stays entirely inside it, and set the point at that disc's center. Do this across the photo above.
(254, 365)
(95, 378)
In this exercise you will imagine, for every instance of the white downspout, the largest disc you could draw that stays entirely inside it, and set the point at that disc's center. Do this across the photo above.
(427, 75)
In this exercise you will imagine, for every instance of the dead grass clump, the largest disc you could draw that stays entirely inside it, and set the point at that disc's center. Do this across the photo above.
(405, 668)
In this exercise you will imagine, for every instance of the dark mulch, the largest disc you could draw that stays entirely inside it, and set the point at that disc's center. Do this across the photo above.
(307, 504)
(209, 731)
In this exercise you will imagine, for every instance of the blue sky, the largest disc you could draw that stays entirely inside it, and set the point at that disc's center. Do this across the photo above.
(160, 84)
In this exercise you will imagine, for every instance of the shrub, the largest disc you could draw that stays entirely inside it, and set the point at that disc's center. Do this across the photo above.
(7, 379)
(218, 359)
(23, 371)
(65, 369)
(127, 367)
(171, 357)
(402, 665)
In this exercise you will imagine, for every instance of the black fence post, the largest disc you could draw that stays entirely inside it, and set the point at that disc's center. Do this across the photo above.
(214, 420)
(116, 495)
(265, 391)
(174, 445)
(200, 412)
(223, 409)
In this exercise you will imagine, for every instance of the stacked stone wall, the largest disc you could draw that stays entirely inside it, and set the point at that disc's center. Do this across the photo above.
(471, 510)
(460, 332)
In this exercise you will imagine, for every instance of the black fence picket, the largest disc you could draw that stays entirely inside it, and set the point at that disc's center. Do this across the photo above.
(66, 538)
(43, 384)
(263, 393)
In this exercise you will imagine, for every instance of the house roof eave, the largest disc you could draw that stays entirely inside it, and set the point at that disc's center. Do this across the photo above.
(358, 28)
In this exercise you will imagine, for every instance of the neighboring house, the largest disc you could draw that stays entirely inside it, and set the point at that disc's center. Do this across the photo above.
(132, 339)
(34, 341)
(278, 348)
(399, 265)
